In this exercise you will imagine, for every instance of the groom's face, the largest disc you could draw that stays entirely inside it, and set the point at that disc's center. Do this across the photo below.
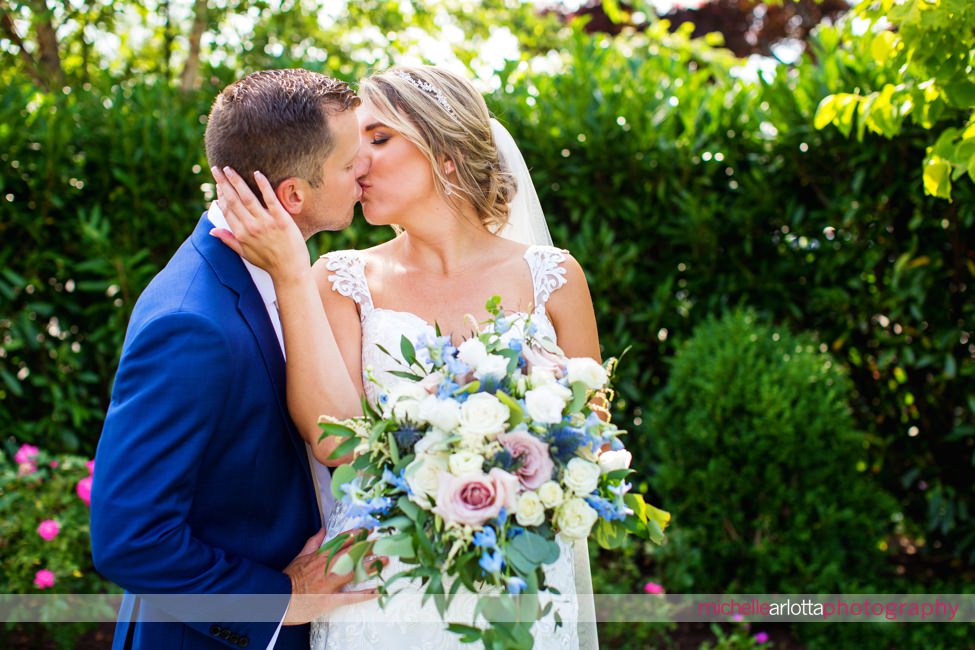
(330, 205)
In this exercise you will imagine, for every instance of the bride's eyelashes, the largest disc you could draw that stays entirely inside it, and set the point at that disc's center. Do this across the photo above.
(379, 139)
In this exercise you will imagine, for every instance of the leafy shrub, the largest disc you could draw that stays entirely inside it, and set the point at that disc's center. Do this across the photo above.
(762, 467)
(45, 535)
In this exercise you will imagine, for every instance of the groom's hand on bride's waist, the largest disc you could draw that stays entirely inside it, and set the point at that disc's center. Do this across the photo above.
(315, 587)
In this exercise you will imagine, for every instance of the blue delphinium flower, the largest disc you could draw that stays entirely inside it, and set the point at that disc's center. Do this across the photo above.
(502, 517)
(447, 388)
(515, 344)
(605, 508)
(455, 366)
(486, 538)
(501, 325)
(532, 329)
(516, 585)
(398, 482)
(492, 562)
(514, 531)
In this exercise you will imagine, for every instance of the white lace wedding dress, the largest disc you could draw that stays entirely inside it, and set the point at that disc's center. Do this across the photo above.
(403, 623)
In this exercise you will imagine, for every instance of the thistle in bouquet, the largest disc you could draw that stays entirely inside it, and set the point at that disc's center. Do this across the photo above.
(476, 458)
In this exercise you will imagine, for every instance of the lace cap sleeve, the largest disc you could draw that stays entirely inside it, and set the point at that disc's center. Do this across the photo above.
(548, 275)
(349, 276)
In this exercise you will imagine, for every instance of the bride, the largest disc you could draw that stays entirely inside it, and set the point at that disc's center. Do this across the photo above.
(454, 185)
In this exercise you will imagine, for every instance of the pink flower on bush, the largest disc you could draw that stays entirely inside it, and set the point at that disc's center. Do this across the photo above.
(91, 466)
(473, 499)
(761, 637)
(653, 588)
(536, 463)
(26, 469)
(43, 579)
(26, 454)
(49, 529)
(54, 464)
(84, 490)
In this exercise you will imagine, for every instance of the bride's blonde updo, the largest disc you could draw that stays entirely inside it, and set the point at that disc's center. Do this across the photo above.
(446, 118)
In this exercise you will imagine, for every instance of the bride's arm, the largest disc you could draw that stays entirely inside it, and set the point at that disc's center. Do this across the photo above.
(318, 382)
(570, 310)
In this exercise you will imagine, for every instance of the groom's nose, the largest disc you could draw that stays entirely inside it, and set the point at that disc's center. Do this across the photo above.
(361, 165)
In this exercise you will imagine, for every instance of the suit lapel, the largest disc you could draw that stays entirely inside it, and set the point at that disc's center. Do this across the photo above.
(232, 273)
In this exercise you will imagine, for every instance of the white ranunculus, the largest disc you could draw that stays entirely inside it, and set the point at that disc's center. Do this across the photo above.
(465, 462)
(551, 494)
(581, 476)
(575, 519)
(610, 461)
(530, 512)
(472, 352)
(546, 403)
(434, 441)
(589, 371)
(443, 414)
(422, 475)
(403, 403)
(483, 415)
(493, 365)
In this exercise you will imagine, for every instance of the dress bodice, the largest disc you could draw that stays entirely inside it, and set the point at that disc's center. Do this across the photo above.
(382, 328)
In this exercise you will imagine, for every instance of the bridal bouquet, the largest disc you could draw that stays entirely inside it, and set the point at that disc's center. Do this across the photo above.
(470, 467)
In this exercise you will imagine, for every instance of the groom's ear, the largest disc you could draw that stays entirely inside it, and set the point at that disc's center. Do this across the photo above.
(291, 194)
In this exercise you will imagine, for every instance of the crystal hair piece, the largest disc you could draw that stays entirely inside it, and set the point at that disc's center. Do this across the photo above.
(429, 88)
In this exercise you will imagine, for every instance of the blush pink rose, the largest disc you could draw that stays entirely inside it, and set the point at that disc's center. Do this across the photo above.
(538, 357)
(26, 454)
(473, 499)
(49, 529)
(536, 463)
(43, 579)
(84, 490)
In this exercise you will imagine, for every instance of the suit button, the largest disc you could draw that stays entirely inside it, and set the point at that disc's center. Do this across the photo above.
(234, 638)
(215, 630)
(225, 634)
(243, 642)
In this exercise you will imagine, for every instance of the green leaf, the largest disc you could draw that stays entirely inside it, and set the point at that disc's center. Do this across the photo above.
(333, 429)
(340, 476)
(400, 545)
(345, 448)
(409, 353)
(517, 415)
(937, 177)
(579, 394)
(610, 536)
(402, 374)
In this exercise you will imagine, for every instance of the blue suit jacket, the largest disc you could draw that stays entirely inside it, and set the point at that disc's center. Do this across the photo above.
(202, 483)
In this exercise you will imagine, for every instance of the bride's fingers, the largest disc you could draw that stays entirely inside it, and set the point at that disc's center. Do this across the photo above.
(244, 204)
(227, 199)
(270, 198)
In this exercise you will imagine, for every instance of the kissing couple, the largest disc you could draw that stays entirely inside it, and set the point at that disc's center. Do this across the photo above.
(212, 478)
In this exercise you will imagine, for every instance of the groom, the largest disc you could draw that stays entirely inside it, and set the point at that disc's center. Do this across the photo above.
(203, 484)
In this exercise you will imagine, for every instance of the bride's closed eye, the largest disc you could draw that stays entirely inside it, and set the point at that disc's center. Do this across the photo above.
(379, 139)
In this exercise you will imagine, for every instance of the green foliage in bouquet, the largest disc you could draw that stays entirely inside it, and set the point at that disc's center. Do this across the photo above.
(758, 457)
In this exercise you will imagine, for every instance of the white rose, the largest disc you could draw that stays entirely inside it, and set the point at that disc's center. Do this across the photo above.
(610, 461)
(589, 371)
(422, 475)
(465, 462)
(493, 365)
(403, 403)
(541, 377)
(472, 352)
(443, 414)
(482, 415)
(434, 441)
(581, 476)
(550, 493)
(545, 404)
(575, 519)
(531, 512)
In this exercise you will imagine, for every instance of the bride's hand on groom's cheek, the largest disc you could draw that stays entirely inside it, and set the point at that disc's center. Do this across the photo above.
(265, 236)
(316, 588)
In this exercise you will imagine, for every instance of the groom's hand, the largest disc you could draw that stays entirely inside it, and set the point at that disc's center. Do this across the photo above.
(315, 587)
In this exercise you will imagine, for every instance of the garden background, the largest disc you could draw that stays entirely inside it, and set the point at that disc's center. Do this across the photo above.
(773, 203)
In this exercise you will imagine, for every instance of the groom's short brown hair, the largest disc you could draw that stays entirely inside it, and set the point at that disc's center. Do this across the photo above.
(276, 121)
